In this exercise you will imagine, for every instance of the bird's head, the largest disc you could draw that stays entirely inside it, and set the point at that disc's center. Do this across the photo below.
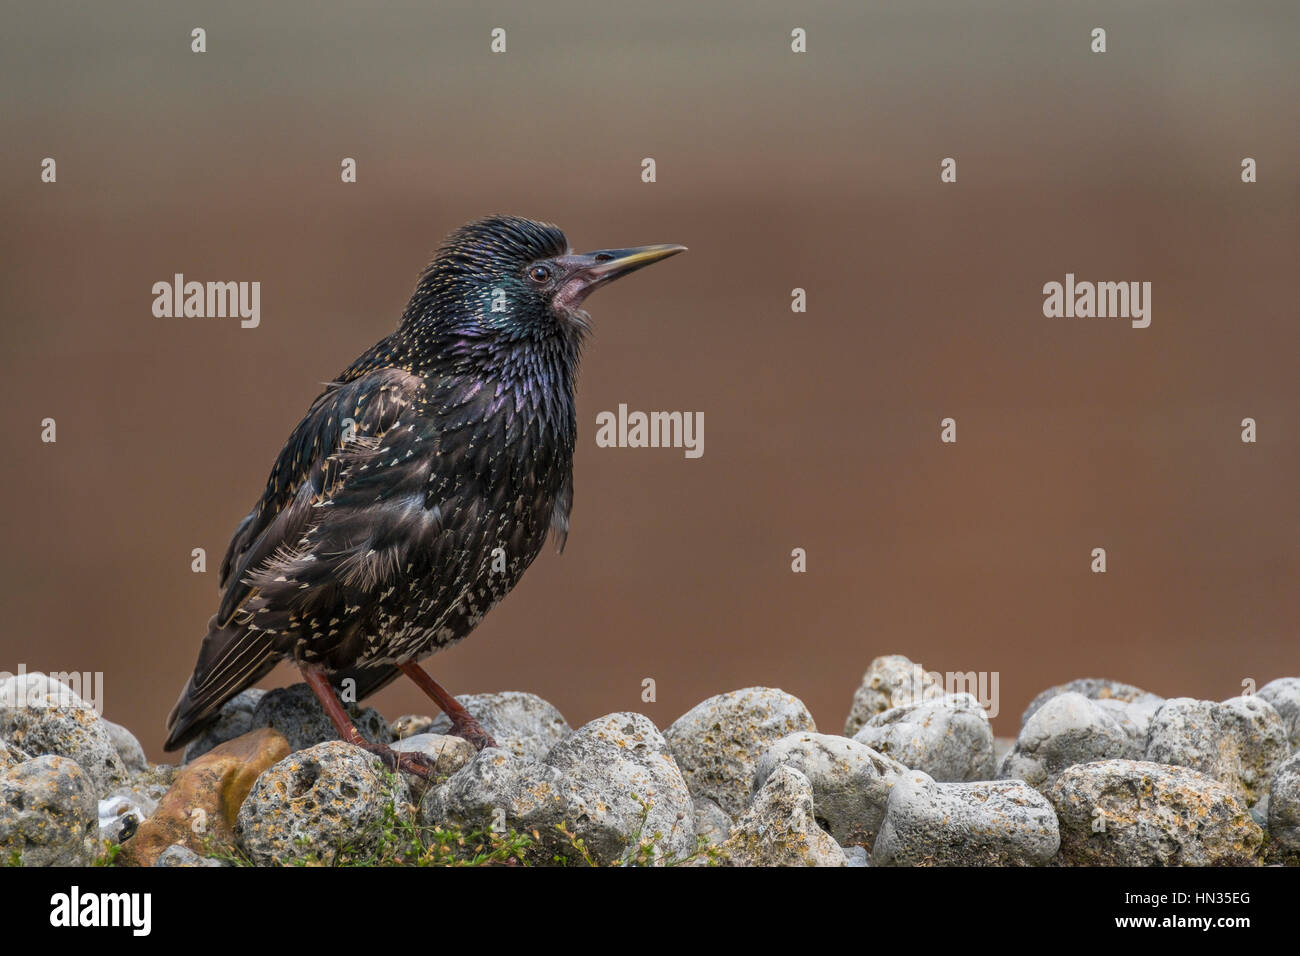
(507, 280)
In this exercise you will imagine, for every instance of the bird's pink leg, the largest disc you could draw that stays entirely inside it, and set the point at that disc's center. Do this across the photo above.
(414, 763)
(463, 723)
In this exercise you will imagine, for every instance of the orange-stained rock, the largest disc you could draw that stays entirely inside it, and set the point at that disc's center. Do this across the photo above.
(200, 808)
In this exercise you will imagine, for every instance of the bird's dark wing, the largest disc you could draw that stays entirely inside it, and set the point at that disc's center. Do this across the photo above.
(420, 510)
(346, 420)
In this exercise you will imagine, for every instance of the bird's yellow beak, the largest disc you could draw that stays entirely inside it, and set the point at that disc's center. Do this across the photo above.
(609, 264)
(588, 271)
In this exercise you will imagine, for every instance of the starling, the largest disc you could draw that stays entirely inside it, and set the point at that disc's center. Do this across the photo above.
(418, 487)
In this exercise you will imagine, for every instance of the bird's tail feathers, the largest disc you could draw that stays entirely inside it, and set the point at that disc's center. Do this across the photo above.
(231, 658)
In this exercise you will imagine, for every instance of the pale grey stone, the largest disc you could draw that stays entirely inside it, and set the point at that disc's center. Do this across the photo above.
(779, 828)
(11, 756)
(949, 737)
(178, 855)
(127, 747)
(1134, 718)
(850, 781)
(1138, 813)
(1094, 688)
(711, 822)
(621, 762)
(47, 813)
(498, 790)
(448, 754)
(1239, 742)
(890, 681)
(315, 802)
(39, 715)
(524, 724)
(856, 856)
(1283, 806)
(1284, 695)
(987, 823)
(1068, 729)
(718, 742)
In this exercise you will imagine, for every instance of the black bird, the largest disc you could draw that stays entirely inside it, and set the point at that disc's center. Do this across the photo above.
(419, 486)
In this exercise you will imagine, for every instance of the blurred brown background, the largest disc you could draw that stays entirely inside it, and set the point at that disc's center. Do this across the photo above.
(821, 430)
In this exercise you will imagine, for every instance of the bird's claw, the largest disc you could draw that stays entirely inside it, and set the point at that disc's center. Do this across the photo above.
(417, 764)
(410, 762)
(471, 730)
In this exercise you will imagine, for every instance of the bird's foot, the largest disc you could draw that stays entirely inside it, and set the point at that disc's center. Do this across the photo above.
(470, 729)
(410, 762)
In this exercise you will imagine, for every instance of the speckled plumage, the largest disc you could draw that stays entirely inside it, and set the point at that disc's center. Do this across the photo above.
(374, 541)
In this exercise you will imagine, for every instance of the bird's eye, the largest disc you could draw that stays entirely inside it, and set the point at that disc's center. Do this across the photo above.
(539, 273)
